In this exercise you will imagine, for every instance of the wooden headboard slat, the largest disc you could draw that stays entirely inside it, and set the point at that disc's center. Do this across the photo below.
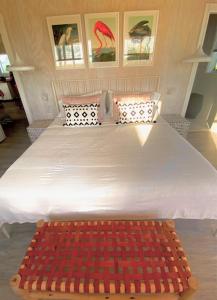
(75, 87)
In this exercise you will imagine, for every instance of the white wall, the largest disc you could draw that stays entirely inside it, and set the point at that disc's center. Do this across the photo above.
(2, 48)
(206, 83)
(178, 31)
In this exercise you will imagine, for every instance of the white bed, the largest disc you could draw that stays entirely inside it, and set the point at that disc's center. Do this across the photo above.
(113, 171)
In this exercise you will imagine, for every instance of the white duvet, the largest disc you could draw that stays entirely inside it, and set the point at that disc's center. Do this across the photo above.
(132, 171)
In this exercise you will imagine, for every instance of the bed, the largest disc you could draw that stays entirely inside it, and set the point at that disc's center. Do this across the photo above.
(109, 171)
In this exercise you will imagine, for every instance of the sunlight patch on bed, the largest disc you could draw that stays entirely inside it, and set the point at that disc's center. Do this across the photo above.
(85, 197)
(143, 132)
(26, 206)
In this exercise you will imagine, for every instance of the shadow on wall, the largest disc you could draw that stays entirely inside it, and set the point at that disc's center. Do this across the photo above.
(194, 106)
(203, 99)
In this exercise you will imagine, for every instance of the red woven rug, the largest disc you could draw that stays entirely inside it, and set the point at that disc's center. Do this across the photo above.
(105, 257)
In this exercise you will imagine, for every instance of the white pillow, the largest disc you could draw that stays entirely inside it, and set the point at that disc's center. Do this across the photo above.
(135, 112)
(131, 97)
(81, 115)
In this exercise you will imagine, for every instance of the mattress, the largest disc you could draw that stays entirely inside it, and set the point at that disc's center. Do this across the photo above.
(109, 172)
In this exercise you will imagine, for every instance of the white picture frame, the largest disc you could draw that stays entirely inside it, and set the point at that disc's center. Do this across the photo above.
(139, 37)
(102, 39)
(66, 39)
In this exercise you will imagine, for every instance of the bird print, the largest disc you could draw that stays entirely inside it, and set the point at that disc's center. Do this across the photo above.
(105, 31)
(139, 32)
(66, 37)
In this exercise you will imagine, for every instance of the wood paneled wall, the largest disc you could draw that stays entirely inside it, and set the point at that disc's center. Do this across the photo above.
(178, 31)
(2, 48)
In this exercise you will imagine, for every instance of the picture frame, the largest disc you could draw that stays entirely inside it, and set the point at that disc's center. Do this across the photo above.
(66, 41)
(139, 37)
(102, 38)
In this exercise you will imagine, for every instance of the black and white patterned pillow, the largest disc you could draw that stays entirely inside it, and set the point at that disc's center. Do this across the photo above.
(136, 112)
(81, 115)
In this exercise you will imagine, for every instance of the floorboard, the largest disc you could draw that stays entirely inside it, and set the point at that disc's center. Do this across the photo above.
(16, 142)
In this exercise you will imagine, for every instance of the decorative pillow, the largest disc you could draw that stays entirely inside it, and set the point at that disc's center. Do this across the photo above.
(81, 115)
(151, 98)
(92, 97)
(135, 112)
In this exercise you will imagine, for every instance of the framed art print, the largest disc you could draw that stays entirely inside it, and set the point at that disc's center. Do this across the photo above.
(102, 39)
(66, 41)
(140, 30)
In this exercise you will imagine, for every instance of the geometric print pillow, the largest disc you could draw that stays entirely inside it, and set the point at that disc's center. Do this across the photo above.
(81, 115)
(136, 112)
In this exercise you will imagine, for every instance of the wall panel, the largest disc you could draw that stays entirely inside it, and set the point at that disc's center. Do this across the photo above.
(178, 30)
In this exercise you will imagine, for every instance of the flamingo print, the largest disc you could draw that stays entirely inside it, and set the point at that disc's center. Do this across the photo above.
(105, 31)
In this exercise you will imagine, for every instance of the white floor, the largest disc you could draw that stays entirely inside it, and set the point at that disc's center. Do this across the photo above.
(196, 237)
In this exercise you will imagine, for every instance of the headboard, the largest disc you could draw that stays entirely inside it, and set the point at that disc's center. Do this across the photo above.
(133, 84)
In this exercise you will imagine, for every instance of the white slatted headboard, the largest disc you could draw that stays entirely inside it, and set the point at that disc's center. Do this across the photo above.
(74, 87)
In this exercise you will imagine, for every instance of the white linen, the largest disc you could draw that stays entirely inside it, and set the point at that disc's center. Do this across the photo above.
(119, 171)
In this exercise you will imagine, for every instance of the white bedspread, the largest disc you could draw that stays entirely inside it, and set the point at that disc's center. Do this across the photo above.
(132, 171)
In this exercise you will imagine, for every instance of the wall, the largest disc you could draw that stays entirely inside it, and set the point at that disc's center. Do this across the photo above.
(205, 83)
(178, 31)
(2, 48)
(2, 51)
